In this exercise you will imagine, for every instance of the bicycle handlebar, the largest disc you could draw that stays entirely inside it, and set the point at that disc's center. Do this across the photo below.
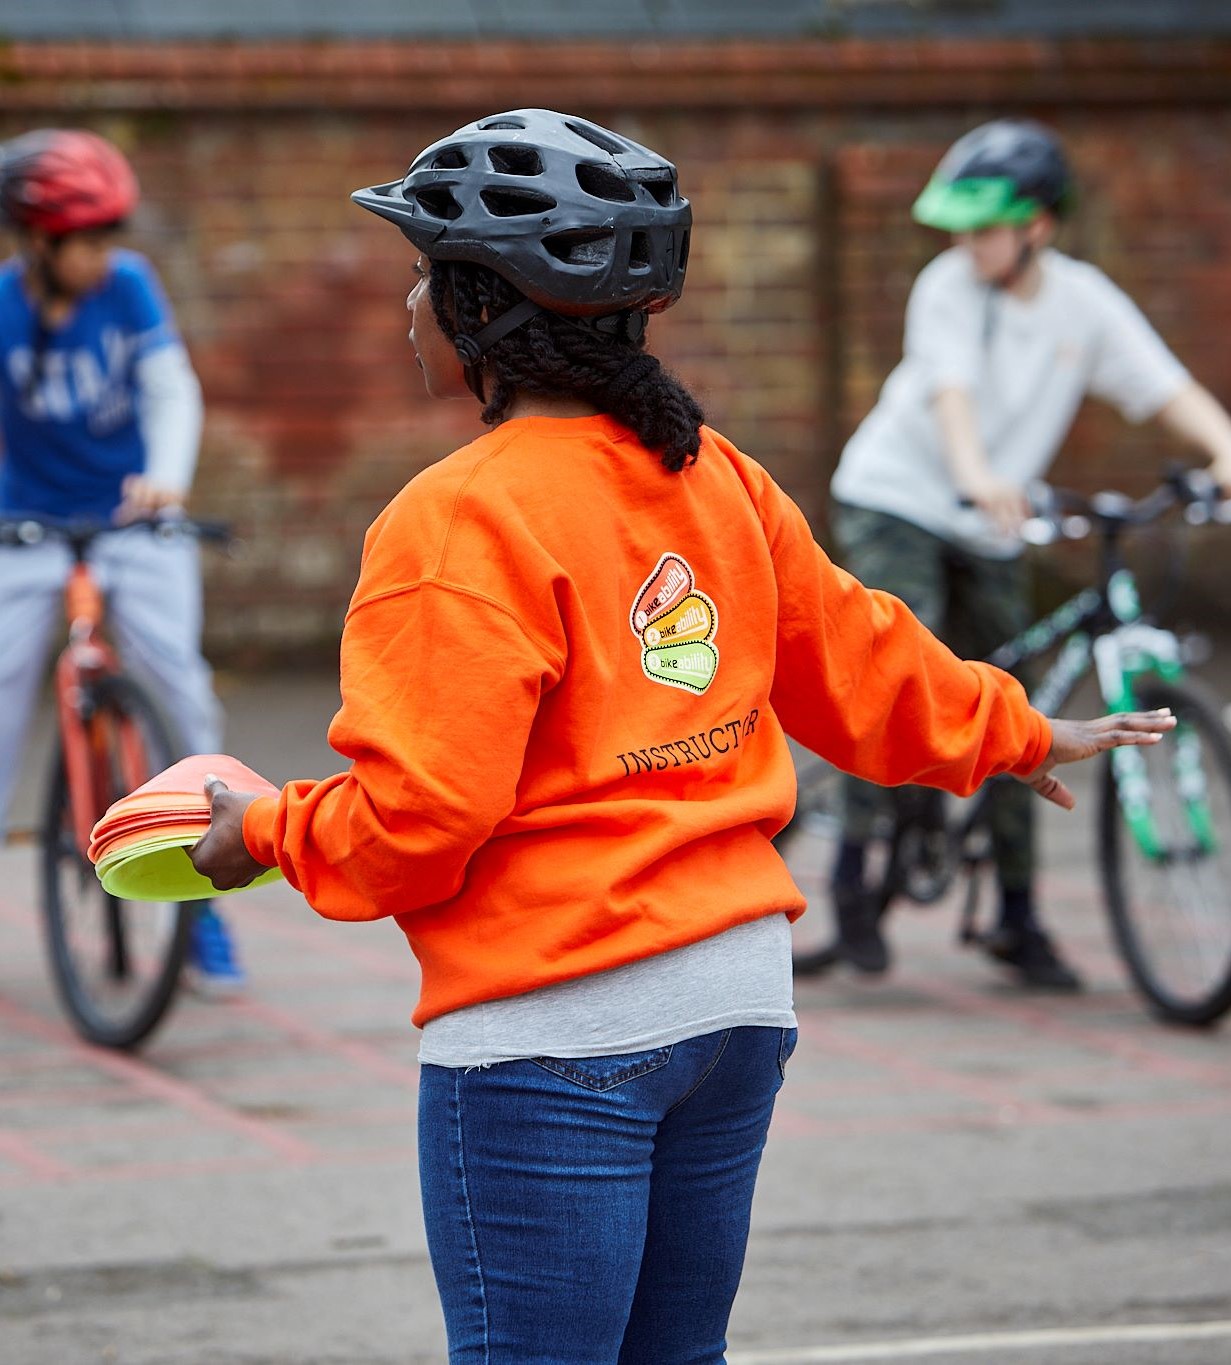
(1064, 514)
(79, 533)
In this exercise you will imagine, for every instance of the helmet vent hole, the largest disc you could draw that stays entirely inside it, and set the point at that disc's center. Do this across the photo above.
(661, 186)
(684, 245)
(603, 183)
(450, 159)
(599, 138)
(515, 160)
(639, 251)
(438, 203)
(506, 203)
(582, 246)
(493, 123)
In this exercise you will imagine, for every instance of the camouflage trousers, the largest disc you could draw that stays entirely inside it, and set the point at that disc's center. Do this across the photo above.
(974, 604)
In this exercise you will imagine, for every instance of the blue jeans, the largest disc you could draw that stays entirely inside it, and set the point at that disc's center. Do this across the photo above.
(153, 590)
(593, 1211)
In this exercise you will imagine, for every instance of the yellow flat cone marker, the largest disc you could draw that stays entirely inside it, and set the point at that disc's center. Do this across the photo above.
(162, 872)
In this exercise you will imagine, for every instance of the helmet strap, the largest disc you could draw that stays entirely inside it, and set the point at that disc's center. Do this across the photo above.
(472, 349)
(627, 326)
(1025, 255)
(50, 287)
(51, 291)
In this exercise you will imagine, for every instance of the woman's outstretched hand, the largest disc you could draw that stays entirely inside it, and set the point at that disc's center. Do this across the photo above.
(1073, 740)
(221, 854)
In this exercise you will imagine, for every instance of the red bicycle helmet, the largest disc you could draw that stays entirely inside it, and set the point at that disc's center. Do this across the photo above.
(65, 180)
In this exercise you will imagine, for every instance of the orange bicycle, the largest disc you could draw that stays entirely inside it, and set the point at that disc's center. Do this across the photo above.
(116, 964)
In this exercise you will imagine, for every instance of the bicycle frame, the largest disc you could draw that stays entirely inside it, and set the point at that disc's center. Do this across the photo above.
(1122, 657)
(115, 979)
(85, 659)
(90, 755)
(1104, 627)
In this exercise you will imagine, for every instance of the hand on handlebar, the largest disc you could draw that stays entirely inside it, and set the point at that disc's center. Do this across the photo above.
(144, 498)
(1205, 493)
(1004, 504)
(1074, 740)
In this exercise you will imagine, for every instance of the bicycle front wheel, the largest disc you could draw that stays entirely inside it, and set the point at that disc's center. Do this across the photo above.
(1166, 859)
(115, 963)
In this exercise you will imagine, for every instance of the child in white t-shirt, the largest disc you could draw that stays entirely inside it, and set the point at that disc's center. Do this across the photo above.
(1004, 338)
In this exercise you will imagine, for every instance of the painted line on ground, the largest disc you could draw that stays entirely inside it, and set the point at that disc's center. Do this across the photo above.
(1045, 1339)
(1042, 1020)
(19, 1150)
(337, 1049)
(841, 1039)
(294, 921)
(152, 1084)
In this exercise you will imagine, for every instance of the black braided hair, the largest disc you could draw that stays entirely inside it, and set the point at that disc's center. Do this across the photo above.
(550, 355)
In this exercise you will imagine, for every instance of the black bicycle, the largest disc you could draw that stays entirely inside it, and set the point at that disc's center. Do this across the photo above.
(1164, 815)
(115, 963)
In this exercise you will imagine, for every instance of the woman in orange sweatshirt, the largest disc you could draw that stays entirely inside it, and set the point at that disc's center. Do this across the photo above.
(569, 668)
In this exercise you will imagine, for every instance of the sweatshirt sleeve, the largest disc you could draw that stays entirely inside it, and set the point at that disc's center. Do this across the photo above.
(440, 688)
(860, 680)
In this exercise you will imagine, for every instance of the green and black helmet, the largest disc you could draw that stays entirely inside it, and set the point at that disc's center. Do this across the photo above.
(1002, 172)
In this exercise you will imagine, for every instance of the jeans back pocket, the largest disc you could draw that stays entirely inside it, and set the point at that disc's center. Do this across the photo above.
(605, 1073)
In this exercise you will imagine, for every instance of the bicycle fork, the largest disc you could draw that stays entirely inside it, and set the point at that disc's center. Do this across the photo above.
(86, 757)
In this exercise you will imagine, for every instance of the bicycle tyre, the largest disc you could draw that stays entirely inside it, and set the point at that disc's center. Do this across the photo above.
(924, 855)
(63, 865)
(1128, 875)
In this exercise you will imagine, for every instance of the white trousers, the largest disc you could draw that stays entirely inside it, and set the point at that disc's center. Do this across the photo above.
(153, 590)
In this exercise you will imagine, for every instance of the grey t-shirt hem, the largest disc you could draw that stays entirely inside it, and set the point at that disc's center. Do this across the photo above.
(739, 978)
(634, 1043)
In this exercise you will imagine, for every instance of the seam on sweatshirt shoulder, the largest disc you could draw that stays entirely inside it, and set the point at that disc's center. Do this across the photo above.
(457, 502)
(457, 590)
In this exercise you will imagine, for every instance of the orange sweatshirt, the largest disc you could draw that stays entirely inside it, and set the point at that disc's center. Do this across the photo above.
(566, 677)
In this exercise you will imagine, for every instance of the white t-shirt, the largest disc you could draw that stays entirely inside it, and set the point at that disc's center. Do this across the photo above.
(1026, 364)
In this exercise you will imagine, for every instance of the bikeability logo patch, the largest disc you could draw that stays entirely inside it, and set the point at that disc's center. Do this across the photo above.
(676, 624)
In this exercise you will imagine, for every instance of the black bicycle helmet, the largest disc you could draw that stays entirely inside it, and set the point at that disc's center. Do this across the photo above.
(1001, 172)
(583, 221)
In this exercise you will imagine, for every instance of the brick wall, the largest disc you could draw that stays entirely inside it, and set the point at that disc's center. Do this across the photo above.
(801, 162)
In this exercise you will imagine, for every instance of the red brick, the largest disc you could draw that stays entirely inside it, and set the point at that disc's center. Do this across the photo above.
(801, 159)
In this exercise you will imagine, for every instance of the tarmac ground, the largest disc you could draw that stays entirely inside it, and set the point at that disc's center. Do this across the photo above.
(957, 1171)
